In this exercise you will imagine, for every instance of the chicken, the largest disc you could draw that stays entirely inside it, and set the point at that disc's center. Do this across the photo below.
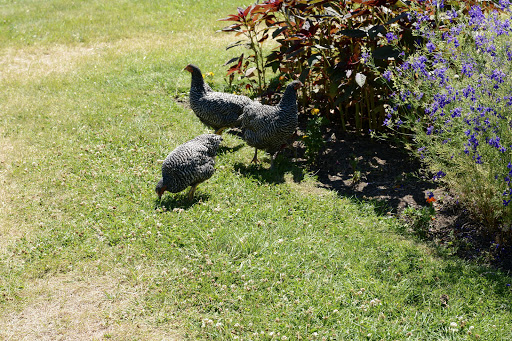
(188, 165)
(268, 127)
(217, 110)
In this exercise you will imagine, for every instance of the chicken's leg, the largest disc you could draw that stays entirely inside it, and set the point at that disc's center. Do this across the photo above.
(220, 130)
(191, 192)
(272, 159)
(255, 158)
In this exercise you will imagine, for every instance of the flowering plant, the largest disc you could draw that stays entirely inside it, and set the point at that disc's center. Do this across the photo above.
(454, 97)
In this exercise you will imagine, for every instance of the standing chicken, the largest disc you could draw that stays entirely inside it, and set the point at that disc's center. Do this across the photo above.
(268, 127)
(217, 110)
(188, 165)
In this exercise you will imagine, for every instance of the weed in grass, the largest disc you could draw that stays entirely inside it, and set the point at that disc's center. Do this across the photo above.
(419, 219)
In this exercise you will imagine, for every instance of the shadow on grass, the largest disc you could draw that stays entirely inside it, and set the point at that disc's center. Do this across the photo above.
(180, 201)
(224, 150)
(262, 172)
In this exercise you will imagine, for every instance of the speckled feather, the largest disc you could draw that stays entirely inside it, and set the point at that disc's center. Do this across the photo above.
(215, 109)
(268, 127)
(190, 163)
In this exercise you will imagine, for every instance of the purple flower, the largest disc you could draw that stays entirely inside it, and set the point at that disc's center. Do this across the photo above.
(365, 56)
(452, 14)
(478, 159)
(467, 69)
(430, 47)
(491, 49)
(457, 112)
(440, 74)
(390, 36)
(473, 141)
(387, 75)
(419, 64)
(497, 76)
(429, 130)
(481, 40)
(438, 3)
(476, 16)
(439, 175)
(469, 90)
(387, 120)
(504, 4)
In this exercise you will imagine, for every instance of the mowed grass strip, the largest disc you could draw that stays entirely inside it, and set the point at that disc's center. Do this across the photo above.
(92, 253)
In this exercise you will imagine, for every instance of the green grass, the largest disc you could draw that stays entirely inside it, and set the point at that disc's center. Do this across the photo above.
(256, 255)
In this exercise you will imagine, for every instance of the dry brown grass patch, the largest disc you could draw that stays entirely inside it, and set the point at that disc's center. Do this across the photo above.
(29, 63)
(71, 307)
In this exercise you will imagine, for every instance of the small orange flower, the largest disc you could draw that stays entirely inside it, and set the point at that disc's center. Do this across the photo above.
(431, 199)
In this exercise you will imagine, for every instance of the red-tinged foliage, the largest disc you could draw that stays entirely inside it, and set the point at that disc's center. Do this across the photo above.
(321, 42)
(236, 67)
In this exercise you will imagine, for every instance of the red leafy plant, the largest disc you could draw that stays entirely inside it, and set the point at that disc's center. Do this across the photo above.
(324, 43)
(249, 22)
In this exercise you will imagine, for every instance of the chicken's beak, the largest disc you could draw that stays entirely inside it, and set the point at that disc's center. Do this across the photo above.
(187, 68)
(160, 191)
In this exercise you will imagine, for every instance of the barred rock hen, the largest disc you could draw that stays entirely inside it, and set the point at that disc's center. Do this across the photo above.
(189, 164)
(268, 127)
(217, 110)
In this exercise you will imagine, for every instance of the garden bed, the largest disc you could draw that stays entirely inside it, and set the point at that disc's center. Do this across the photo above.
(387, 174)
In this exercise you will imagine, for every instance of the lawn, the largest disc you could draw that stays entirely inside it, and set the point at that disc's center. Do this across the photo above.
(91, 99)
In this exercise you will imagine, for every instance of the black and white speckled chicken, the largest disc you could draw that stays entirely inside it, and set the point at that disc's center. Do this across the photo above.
(268, 127)
(189, 164)
(217, 110)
